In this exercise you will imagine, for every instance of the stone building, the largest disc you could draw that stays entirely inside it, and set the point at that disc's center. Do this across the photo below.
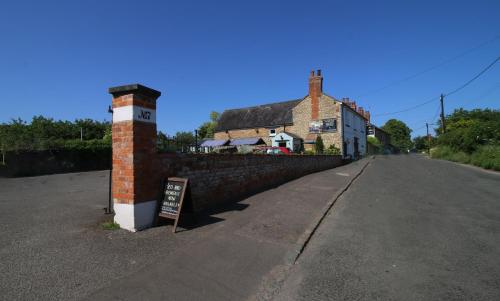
(339, 123)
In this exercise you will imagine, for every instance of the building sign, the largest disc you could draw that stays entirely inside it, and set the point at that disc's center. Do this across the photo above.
(324, 125)
(329, 125)
(130, 113)
(173, 196)
(315, 126)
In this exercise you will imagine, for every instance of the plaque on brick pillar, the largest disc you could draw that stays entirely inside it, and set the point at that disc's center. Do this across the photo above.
(173, 195)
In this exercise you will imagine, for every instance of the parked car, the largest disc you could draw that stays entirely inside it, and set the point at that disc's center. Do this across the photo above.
(272, 150)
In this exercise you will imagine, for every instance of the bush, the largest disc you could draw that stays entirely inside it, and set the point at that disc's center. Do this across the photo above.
(447, 153)
(487, 156)
(376, 146)
(309, 152)
(319, 146)
(332, 150)
(441, 152)
(460, 157)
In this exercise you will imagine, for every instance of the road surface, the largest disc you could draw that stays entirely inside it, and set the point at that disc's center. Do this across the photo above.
(409, 228)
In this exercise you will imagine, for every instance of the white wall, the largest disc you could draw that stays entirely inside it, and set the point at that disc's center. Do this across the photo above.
(353, 126)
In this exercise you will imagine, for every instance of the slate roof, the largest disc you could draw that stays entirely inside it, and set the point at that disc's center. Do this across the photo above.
(247, 141)
(214, 143)
(273, 114)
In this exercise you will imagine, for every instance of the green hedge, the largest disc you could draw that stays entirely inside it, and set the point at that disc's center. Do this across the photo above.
(486, 156)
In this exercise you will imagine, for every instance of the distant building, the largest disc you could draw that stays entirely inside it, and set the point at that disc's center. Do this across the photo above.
(380, 134)
(300, 122)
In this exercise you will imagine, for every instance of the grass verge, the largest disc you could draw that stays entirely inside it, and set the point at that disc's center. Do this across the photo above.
(110, 225)
(486, 156)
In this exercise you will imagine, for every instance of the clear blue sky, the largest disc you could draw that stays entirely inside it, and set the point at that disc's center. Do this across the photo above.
(58, 58)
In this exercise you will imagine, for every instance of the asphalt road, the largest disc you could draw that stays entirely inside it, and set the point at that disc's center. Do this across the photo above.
(409, 228)
(52, 245)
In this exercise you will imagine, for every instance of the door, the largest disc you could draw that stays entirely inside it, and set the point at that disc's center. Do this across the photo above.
(356, 147)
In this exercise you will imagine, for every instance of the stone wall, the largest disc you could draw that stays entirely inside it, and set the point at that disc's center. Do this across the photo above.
(245, 133)
(216, 179)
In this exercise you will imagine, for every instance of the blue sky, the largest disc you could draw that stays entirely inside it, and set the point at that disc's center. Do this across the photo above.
(58, 58)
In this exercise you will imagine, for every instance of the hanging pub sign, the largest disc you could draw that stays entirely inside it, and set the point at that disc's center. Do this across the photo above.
(173, 197)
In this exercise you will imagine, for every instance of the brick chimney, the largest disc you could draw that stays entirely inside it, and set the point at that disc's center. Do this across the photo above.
(349, 103)
(367, 116)
(315, 92)
(353, 106)
(361, 111)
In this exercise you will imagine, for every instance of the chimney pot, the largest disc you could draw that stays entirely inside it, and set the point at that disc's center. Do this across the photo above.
(319, 72)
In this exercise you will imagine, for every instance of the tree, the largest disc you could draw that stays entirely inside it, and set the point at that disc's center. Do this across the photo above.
(467, 130)
(184, 138)
(421, 143)
(319, 146)
(207, 129)
(46, 133)
(400, 134)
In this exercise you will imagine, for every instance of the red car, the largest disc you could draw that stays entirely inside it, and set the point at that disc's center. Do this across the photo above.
(273, 150)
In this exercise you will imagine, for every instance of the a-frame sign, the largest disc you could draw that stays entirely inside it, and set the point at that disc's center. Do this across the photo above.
(172, 199)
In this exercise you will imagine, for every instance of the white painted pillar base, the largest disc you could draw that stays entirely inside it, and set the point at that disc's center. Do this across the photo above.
(135, 217)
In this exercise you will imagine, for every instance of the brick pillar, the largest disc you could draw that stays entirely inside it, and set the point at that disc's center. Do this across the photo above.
(315, 92)
(134, 152)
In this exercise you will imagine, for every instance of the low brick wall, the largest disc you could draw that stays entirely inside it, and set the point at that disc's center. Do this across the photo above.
(216, 179)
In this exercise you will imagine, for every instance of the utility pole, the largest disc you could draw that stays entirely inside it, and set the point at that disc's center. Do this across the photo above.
(443, 125)
(428, 139)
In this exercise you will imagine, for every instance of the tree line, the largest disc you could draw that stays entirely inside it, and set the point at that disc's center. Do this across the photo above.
(46, 133)
(471, 136)
(43, 133)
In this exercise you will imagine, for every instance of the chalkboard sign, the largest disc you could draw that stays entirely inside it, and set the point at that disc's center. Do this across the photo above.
(173, 196)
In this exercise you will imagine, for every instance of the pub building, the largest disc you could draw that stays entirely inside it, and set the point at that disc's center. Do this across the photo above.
(297, 123)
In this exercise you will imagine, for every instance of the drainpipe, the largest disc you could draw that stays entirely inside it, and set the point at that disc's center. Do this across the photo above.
(343, 127)
(109, 209)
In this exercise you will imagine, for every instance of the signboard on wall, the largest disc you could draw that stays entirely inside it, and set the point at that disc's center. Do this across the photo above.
(324, 125)
(315, 126)
(174, 191)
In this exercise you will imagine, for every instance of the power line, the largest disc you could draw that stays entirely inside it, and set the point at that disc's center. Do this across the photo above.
(447, 94)
(474, 78)
(432, 121)
(404, 79)
(408, 109)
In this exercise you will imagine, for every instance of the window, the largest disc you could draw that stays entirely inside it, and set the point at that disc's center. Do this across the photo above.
(272, 132)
